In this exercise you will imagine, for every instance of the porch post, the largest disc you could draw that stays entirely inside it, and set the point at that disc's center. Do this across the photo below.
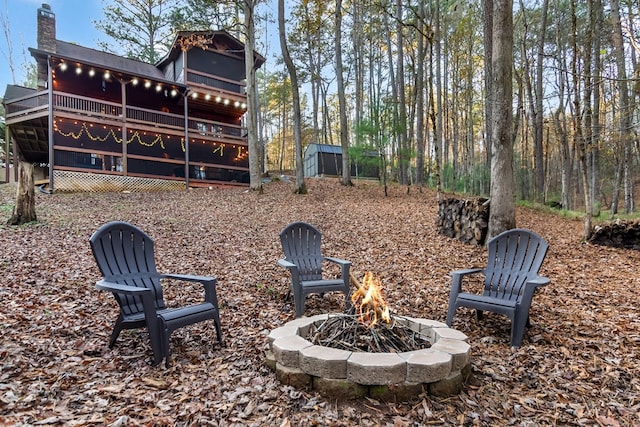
(7, 147)
(123, 161)
(50, 124)
(186, 138)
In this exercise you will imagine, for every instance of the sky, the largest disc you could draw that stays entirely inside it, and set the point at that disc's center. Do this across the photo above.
(74, 23)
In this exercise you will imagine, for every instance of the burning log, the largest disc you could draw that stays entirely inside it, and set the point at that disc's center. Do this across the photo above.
(368, 301)
(371, 328)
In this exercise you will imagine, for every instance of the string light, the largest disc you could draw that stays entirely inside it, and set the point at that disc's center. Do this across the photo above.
(63, 66)
(107, 75)
(136, 137)
(92, 72)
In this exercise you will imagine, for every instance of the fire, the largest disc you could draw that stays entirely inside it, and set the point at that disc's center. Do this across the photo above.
(368, 301)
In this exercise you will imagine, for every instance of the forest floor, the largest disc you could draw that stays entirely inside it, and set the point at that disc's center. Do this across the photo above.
(578, 364)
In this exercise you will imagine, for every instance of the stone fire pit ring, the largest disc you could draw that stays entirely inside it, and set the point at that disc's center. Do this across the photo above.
(439, 370)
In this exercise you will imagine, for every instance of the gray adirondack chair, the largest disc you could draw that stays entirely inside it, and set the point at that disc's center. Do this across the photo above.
(125, 256)
(510, 280)
(301, 244)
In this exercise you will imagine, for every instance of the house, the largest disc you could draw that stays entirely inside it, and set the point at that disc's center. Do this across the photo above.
(326, 160)
(99, 121)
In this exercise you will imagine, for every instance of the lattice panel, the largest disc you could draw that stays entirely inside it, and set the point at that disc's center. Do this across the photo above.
(76, 182)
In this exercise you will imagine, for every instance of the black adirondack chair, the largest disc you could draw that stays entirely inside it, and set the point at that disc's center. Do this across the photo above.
(301, 244)
(510, 280)
(125, 256)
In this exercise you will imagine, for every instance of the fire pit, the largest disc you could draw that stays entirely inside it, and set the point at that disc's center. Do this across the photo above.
(438, 367)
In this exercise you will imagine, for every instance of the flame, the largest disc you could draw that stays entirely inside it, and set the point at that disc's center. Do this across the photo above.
(369, 303)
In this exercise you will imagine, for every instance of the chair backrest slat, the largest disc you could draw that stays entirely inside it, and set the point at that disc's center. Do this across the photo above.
(513, 257)
(125, 255)
(301, 244)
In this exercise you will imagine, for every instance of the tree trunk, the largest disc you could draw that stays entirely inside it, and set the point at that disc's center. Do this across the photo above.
(538, 113)
(487, 37)
(25, 209)
(625, 105)
(297, 126)
(344, 137)
(255, 174)
(502, 215)
(420, 126)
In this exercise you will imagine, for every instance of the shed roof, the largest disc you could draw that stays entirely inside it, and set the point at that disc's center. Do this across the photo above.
(327, 148)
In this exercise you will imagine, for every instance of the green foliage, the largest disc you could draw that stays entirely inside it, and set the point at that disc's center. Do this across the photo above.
(366, 159)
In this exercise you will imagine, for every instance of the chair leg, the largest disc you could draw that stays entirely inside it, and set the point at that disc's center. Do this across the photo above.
(117, 328)
(450, 312)
(165, 336)
(218, 329)
(518, 324)
(298, 299)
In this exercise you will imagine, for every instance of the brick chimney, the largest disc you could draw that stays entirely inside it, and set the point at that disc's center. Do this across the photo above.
(46, 39)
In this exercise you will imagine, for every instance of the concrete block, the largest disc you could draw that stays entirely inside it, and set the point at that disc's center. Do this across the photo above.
(376, 368)
(427, 366)
(459, 351)
(293, 377)
(339, 388)
(325, 362)
(396, 392)
(449, 386)
(454, 334)
(287, 350)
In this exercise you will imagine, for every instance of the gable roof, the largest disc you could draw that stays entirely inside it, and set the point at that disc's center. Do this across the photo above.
(235, 46)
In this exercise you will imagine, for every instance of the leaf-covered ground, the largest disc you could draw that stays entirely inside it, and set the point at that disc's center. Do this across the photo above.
(578, 364)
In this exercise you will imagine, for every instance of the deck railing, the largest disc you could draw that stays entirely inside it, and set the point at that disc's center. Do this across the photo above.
(216, 82)
(90, 107)
(26, 104)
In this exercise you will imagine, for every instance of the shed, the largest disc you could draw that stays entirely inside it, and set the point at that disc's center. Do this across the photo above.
(326, 159)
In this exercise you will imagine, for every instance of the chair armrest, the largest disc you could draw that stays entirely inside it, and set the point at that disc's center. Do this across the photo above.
(345, 267)
(539, 281)
(208, 282)
(286, 264)
(188, 277)
(466, 271)
(456, 280)
(103, 285)
(337, 260)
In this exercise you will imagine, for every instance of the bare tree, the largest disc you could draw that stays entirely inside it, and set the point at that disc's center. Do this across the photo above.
(143, 28)
(297, 125)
